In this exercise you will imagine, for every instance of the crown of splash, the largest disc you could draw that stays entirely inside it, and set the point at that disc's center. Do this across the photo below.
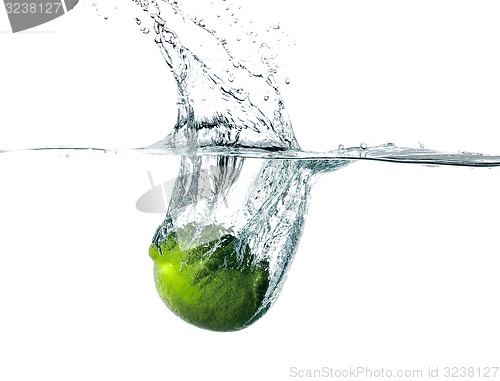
(213, 111)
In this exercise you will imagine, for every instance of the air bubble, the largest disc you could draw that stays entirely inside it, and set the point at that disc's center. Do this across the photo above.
(266, 98)
(287, 81)
(276, 26)
(138, 21)
(145, 30)
(363, 146)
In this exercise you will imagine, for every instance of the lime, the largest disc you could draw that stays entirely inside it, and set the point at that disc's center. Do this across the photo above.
(217, 285)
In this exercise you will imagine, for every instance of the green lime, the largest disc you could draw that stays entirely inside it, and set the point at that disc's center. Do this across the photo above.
(217, 285)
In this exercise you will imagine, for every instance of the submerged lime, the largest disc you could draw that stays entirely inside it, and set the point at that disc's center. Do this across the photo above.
(215, 285)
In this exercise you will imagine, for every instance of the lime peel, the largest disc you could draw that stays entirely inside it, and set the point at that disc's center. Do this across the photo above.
(217, 285)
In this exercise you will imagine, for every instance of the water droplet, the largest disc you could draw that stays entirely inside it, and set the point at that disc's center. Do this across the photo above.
(421, 145)
(231, 77)
(287, 81)
(105, 17)
(271, 81)
(138, 21)
(236, 64)
(276, 26)
(145, 30)
(390, 144)
(266, 98)
(341, 146)
(67, 155)
(201, 23)
(363, 146)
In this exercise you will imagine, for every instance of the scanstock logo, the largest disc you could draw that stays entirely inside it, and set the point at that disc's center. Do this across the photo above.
(26, 14)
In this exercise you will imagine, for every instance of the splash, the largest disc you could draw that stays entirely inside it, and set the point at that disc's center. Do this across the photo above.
(241, 219)
(239, 204)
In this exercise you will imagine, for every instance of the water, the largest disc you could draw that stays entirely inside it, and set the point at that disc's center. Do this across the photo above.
(230, 110)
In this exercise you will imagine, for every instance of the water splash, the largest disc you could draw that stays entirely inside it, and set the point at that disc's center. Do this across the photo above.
(222, 121)
(220, 103)
(230, 109)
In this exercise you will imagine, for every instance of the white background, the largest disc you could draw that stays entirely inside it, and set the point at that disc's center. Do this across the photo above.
(398, 267)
